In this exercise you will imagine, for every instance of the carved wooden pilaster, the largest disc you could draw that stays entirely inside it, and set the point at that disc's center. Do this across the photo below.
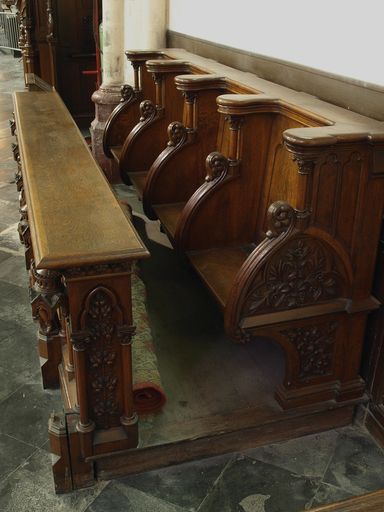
(190, 120)
(158, 79)
(235, 123)
(101, 333)
(306, 159)
(137, 70)
(47, 299)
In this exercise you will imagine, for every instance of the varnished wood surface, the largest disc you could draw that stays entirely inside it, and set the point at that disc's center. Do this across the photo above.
(372, 502)
(349, 122)
(169, 215)
(116, 152)
(75, 218)
(218, 268)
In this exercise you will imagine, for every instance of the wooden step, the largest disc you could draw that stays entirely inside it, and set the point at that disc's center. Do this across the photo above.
(219, 267)
(169, 215)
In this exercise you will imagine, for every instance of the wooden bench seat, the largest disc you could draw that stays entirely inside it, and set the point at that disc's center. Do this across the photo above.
(169, 215)
(271, 235)
(218, 268)
(147, 137)
(126, 114)
(266, 202)
(177, 171)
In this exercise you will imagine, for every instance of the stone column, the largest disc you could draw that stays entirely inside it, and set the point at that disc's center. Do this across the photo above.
(108, 95)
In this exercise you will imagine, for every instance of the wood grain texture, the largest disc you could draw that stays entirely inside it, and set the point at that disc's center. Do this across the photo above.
(372, 502)
(58, 170)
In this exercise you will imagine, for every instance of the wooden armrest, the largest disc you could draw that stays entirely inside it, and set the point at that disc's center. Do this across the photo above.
(167, 66)
(143, 55)
(200, 82)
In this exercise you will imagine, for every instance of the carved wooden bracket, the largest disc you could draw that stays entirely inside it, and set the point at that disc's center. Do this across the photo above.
(148, 111)
(127, 93)
(305, 157)
(177, 134)
(217, 165)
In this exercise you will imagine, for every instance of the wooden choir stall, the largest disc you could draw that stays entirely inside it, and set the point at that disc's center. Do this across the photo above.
(273, 197)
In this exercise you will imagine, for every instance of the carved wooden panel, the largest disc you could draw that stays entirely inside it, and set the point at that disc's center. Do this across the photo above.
(315, 345)
(337, 185)
(98, 337)
(304, 271)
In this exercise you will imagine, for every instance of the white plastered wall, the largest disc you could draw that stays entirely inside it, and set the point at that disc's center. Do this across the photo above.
(145, 23)
(345, 37)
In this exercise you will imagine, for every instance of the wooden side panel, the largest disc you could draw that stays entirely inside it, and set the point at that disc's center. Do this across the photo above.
(281, 176)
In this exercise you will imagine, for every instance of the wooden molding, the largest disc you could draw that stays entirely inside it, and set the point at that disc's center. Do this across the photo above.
(361, 97)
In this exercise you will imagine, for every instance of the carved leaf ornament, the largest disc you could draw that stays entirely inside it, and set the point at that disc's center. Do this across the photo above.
(98, 338)
(301, 273)
(315, 346)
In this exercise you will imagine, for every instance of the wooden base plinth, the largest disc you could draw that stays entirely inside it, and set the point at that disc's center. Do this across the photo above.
(249, 435)
(215, 421)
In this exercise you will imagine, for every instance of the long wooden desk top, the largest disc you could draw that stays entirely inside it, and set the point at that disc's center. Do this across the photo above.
(74, 216)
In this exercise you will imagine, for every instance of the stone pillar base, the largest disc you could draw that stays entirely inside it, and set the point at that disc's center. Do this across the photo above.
(105, 99)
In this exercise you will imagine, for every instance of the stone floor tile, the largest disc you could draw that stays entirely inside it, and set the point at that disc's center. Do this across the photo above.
(14, 304)
(185, 485)
(11, 381)
(9, 193)
(13, 271)
(308, 455)
(13, 454)
(31, 489)
(248, 485)
(24, 415)
(7, 327)
(4, 255)
(7, 174)
(120, 498)
(329, 494)
(9, 238)
(19, 355)
(357, 465)
(9, 210)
